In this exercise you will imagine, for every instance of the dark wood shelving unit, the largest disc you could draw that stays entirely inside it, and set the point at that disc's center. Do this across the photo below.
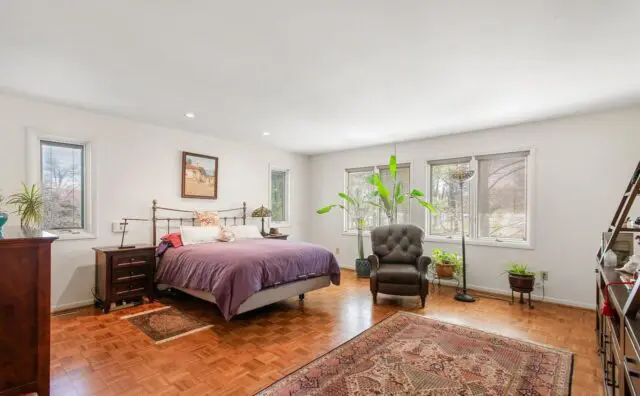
(619, 334)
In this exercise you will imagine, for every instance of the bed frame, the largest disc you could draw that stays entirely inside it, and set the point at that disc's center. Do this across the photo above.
(259, 299)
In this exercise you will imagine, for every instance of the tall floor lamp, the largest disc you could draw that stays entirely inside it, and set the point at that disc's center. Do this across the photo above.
(462, 175)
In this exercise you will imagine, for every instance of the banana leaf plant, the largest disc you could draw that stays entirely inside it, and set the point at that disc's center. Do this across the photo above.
(354, 207)
(391, 197)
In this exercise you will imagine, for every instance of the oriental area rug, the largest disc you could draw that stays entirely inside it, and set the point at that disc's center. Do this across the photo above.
(166, 324)
(408, 354)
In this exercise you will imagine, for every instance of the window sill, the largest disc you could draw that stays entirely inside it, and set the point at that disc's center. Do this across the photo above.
(481, 242)
(67, 236)
(366, 234)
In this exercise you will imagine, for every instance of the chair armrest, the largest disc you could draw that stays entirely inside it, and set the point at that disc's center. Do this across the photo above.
(374, 262)
(423, 264)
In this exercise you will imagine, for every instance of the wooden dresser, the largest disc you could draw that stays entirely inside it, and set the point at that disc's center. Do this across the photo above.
(25, 309)
(124, 274)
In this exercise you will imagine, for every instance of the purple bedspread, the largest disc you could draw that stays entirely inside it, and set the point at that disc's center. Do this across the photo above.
(234, 271)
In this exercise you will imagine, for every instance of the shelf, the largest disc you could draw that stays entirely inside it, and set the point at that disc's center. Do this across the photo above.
(627, 229)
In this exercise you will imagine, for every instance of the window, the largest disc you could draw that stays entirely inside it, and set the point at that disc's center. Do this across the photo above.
(62, 185)
(358, 186)
(496, 207)
(445, 197)
(279, 196)
(62, 169)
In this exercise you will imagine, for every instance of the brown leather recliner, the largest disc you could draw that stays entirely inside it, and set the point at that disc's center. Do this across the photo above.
(397, 264)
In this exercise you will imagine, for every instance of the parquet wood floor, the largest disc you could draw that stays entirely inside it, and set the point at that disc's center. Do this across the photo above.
(96, 354)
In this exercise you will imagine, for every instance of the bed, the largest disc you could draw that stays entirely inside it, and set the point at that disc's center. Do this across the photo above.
(243, 275)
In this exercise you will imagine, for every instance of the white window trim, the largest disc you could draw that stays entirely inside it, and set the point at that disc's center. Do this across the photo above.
(375, 169)
(34, 138)
(287, 205)
(473, 188)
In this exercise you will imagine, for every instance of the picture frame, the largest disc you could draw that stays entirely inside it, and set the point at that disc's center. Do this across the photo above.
(199, 176)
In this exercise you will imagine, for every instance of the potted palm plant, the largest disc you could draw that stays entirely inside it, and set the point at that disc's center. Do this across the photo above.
(30, 205)
(354, 207)
(446, 264)
(390, 197)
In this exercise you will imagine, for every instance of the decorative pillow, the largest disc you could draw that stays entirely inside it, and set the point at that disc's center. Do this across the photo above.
(226, 235)
(175, 239)
(207, 219)
(192, 235)
(246, 232)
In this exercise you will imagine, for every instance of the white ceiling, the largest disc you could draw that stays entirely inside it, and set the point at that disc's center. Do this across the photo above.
(323, 75)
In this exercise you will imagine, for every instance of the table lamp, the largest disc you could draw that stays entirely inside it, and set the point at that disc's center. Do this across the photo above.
(462, 175)
(124, 223)
(261, 212)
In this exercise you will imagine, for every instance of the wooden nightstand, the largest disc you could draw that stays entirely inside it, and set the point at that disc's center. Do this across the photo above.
(124, 274)
(280, 236)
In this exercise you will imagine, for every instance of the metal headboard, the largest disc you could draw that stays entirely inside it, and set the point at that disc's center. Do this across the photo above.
(192, 220)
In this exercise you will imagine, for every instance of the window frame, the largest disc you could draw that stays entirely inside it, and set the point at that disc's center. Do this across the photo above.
(473, 238)
(287, 196)
(374, 169)
(34, 176)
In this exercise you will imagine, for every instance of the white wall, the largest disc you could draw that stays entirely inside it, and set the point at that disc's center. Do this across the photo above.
(135, 163)
(581, 169)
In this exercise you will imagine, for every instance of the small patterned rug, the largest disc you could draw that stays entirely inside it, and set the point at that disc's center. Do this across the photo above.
(166, 324)
(408, 354)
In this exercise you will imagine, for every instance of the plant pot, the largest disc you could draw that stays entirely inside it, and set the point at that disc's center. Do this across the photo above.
(363, 268)
(4, 216)
(444, 270)
(522, 283)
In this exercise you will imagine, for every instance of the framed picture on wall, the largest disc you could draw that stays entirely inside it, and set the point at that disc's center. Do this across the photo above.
(199, 176)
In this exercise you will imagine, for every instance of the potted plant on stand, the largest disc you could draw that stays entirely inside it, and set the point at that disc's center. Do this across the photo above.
(30, 205)
(390, 197)
(447, 265)
(521, 280)
(354, 207)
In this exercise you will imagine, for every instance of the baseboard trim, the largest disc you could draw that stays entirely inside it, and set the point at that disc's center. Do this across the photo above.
(65, 307)
(507, 292)
(534, 297)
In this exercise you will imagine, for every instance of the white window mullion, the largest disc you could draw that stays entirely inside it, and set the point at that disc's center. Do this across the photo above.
(473, 200)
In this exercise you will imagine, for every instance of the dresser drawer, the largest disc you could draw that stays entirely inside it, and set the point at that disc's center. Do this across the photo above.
(128, 261)
(130, 274)
(129, 290)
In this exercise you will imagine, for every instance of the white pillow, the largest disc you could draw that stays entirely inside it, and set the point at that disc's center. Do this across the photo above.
(192, 235)
(246, 232)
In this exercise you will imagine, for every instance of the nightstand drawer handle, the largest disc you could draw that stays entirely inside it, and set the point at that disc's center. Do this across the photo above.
(131, 263)
(132, 276)
(130, 290)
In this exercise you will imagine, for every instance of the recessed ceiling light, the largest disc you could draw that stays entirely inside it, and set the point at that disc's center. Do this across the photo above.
(265, 133)
(189, 115)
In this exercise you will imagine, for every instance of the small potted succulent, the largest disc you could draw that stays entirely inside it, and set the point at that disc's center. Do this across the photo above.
(520, 278)
(446, 264)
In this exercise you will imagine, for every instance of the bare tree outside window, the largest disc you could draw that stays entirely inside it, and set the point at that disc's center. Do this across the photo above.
(62, 185)
(445, 197)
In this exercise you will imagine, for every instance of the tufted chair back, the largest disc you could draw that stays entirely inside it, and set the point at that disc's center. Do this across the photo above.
(397, 243)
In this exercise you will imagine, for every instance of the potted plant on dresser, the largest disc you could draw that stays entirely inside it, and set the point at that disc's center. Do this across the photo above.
(354, 207)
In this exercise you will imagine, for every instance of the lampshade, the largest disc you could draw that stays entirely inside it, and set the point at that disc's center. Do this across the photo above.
(461, 174)
(261, 212)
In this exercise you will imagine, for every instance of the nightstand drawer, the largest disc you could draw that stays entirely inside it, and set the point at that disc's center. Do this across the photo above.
(128, 290)
(130, 274)
(127, 261)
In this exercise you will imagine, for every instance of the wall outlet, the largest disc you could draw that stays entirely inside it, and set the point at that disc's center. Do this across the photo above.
(544, 275)
(117, 226)
(337, 250)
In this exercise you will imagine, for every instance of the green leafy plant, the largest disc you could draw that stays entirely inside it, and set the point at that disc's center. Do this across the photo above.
(30, 205)
(354, 207)
(441, 257)
(519, 269)
(390, 197)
